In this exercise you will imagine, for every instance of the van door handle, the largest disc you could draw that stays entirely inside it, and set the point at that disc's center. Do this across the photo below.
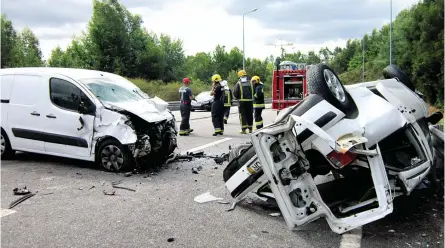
(51, 116)
(35, 113)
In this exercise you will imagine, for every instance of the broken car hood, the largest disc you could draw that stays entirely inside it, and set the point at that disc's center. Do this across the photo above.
(151, 110)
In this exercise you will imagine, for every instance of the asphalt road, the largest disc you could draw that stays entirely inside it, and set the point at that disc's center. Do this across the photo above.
(71, 210)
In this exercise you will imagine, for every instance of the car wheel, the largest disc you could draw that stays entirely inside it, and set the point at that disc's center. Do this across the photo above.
(323, 81)
(112, 156)
(392, 71)
(6, 150)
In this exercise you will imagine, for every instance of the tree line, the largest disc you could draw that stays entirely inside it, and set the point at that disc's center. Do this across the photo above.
(116, 41)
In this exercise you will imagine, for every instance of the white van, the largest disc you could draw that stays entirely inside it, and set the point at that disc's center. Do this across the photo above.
(83, 114)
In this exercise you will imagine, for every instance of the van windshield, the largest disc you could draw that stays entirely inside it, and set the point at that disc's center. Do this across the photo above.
(111, 92)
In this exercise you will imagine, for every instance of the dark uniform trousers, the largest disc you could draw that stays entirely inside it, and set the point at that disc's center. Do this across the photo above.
(245, 109)
(185, 115)
(258, 118)
(218, 116)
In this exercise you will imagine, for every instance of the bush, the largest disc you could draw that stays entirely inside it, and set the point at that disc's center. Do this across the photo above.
(168, 91)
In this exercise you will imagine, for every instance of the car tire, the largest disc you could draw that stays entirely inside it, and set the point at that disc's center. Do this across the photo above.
(323, 81)
(111, 155)
(6, 150)
(392, 71)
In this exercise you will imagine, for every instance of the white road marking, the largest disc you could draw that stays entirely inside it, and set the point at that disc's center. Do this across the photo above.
(5, 212)
(209, 144)
(352, 239)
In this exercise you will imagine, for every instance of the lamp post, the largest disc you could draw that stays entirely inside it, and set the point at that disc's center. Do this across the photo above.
(363, 62)
(244, 52)
(390, 33)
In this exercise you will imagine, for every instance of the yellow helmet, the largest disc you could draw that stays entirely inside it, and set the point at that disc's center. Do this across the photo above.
(255, 78)
(216, 78)
(242, 73)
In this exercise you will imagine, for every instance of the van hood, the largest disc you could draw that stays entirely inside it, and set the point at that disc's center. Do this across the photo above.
(151, 110)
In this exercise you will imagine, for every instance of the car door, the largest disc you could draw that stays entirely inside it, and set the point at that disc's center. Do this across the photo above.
(67, 131)
(24, 119)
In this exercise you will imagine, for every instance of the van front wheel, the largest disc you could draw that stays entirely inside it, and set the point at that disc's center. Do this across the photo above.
(6, 150)
(112, 156)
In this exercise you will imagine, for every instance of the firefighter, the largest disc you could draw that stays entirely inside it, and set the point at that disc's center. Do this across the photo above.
(228, 100)
(243, 91)
(258, 101)
(217, 105)
(186, 96)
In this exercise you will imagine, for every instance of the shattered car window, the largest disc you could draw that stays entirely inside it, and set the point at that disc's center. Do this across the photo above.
(111, 92)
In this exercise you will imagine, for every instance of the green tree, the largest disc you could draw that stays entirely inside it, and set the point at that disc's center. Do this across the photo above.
(9, 40)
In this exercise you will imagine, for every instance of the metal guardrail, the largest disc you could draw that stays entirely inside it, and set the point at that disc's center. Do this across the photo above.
(174, 106)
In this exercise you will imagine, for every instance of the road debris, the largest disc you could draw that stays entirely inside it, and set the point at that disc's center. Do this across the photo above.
(113, 192)
(232, 207)
(195, 170)
(189, 156)
(170, 240)
(21, 199)
(391, 231)
(92, 187)
(21, 191)
(128, 174)
(80, 188)
(120, 187)
(206, 197)
(275, 214)
(223, 202)
(114, 185)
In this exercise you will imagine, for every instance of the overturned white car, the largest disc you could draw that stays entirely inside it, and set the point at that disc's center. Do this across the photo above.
(83, 114)
(344, 153)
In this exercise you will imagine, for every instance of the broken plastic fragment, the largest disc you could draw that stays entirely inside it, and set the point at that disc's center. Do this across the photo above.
(21, 191)
(275, 214)
(206, 197)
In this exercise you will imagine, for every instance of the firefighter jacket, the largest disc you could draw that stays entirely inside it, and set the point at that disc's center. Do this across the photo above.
(243, 91)
(185, 93)
(258, 101)
(228, 97)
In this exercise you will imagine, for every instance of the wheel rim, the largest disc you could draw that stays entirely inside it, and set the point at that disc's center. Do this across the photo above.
(112, 158)
(3, 143)
(334, 85)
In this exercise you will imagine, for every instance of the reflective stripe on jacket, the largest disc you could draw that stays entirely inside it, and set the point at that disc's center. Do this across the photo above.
(258, 101)
(245, 91)
(227, 98)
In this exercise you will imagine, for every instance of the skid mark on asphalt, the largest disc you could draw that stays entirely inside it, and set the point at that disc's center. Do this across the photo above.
(209, 145)
(352, 239)
(5, 212)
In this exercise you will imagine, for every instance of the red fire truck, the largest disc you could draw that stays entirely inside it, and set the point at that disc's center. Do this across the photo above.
(289, 84)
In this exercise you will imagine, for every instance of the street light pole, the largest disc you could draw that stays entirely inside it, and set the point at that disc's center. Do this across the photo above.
(363, 62)
(244, 50)
(390, 34)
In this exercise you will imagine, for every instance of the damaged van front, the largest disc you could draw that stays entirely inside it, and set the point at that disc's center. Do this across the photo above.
(144, 125)
(84, 114)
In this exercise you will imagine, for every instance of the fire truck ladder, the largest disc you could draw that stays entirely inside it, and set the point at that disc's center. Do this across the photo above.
(281, 46)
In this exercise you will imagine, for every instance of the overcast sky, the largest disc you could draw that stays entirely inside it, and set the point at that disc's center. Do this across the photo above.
(202, 24)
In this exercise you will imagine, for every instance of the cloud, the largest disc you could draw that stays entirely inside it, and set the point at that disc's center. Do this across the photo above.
(312, 22)
(202, 24)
